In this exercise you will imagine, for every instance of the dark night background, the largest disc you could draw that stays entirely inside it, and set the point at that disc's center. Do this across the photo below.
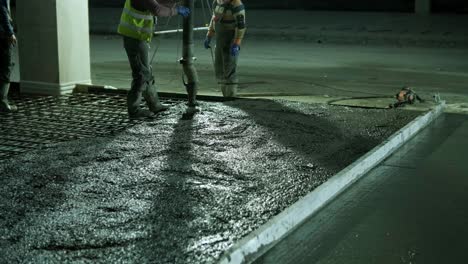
(438, 6)
(456, 6)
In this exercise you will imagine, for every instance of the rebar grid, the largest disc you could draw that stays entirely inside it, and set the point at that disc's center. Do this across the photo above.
(43, 120)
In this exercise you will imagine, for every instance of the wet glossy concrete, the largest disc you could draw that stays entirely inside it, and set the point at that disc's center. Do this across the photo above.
(180, 188)
(411, 209)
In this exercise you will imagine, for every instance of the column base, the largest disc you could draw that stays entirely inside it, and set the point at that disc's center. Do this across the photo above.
(44, 88)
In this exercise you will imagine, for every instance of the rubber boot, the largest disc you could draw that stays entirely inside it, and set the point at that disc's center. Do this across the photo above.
(229, 90)
(5, 106)
(192, 90)
(134, 97)
(152, 100)
(223, 90)
(232, 90)
(142, 114)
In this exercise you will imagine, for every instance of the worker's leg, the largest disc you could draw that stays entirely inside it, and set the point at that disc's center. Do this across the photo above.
(229, 66)
(6, 67)
(151, 96)
(137, 52)
(150, 93)
(219, 69)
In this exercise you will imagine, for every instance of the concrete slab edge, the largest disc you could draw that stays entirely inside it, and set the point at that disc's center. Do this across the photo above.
(265, 237)
(113, 90)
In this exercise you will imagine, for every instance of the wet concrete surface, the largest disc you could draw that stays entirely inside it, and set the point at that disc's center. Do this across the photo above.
(409, 209)
(178, 189)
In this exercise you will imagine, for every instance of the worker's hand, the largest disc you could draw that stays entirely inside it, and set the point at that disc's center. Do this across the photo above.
(12, 40)
(235, 50)
(183, 11)
(207, 42)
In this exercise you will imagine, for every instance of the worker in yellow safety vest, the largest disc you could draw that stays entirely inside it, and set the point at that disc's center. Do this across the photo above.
(137, 27)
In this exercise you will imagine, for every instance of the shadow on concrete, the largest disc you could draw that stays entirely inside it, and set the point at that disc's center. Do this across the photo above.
(41, 195)
(172, 211)
(319, 140)
(394, 187)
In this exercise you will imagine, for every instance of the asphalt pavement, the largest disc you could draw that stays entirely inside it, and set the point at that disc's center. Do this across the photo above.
(332, 27)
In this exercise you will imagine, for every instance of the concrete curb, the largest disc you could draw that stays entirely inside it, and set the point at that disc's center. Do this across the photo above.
(84, 88)
(265, 237)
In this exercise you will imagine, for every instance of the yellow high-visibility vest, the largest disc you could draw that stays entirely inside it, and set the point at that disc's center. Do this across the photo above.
(136, 24)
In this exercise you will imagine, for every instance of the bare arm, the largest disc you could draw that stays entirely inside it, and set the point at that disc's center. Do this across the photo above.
(211, 26)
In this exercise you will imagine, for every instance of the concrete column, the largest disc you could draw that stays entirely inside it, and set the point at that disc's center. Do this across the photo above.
(422, 7)
(53, 38)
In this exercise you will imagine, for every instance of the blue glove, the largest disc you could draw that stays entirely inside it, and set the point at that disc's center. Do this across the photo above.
(207, 42)
(183, 11)
(235, 50)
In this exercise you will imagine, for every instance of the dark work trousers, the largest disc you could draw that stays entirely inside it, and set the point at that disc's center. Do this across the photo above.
(225, 64)
(6, 63)
(142, 76)
(6, 66)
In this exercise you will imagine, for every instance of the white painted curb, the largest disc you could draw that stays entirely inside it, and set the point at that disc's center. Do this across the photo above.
(260, 240)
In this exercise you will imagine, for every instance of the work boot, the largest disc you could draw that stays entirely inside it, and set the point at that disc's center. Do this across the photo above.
(152, 100)
(232, 88)
(223, 90)
(159, 108)
(141, 114)
(229, 90)
(5, 106)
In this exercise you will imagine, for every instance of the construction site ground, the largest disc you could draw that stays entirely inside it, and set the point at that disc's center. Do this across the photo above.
(177, 189)
(183, 189)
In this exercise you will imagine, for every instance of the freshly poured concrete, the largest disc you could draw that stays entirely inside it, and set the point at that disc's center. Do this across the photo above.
(178, 190)
(410, 209)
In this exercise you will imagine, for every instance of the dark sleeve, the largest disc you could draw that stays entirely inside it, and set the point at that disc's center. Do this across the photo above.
(160, 10)
(238, 11)
(5, 22)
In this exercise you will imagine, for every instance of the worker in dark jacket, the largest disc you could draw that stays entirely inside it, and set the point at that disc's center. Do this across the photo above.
(137, 27)
(228, 23)
(7, 41)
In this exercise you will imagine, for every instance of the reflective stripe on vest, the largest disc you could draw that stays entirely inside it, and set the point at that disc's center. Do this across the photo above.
(136, 24)
(135, 28)
(136, 15)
